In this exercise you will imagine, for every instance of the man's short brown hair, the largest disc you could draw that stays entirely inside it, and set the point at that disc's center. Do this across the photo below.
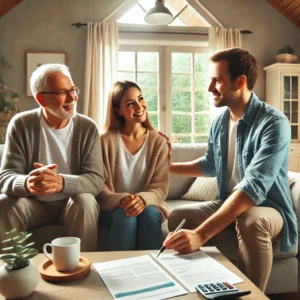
(240, 62)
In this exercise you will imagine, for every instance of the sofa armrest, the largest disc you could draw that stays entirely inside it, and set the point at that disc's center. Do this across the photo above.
(1, 152)
(295, 195)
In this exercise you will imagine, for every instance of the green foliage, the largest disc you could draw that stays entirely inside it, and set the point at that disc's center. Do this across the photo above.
(147, 62)
(201, 139)
(202, 124)
(4, 64)
(181, 101)
(4, 104)
(151, 98)
(286, 49)
(202, 101)
(5, 95)
(181, 139)
(181, 124)
(182, 81)
(154, 120)
(182, 63)
(18, 253)
(147, 80)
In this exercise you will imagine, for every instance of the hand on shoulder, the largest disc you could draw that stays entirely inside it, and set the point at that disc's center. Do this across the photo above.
(169, 145)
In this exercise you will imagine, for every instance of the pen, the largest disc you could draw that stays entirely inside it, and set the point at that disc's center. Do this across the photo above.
(162, 249)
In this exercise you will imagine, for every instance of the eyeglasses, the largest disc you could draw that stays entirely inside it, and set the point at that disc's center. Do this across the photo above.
(64, 94)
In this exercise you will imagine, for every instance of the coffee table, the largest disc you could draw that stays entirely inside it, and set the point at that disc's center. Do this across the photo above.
(92, 287)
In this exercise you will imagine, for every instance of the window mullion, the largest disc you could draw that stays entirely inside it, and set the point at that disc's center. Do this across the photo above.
(193, 106)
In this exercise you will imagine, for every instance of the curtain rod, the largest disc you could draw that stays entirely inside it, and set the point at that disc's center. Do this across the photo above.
(78, 25)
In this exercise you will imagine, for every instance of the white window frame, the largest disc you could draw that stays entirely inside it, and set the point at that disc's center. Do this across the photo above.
(165, 79)
(161, 82)
(168, 52)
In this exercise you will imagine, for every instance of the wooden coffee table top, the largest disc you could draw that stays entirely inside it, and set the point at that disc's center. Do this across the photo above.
(92, 287)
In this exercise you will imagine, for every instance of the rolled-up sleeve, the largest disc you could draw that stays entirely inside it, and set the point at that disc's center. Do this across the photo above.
(267, 160)
(207, 162)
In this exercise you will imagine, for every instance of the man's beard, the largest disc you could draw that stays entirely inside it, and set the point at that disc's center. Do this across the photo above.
(62, 114)
(228, 100)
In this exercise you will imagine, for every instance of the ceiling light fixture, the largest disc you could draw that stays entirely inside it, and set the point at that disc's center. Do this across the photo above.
(159, 14)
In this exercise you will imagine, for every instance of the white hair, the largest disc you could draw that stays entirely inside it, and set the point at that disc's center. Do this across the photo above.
(38, 79)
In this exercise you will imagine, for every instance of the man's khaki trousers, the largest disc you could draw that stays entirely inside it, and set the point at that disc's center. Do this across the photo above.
(256, 229)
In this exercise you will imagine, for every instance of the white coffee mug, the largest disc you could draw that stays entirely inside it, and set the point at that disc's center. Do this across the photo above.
(65, 253)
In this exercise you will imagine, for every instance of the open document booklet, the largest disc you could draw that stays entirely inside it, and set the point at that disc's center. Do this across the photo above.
(170, 275)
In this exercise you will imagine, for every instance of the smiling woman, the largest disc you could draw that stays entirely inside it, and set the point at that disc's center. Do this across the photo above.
(137, 177)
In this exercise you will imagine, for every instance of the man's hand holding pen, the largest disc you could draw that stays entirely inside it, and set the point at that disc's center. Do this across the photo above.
(183, 241)
(162, 249)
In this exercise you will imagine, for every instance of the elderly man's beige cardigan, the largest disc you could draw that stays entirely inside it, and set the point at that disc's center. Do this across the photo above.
(157, 179)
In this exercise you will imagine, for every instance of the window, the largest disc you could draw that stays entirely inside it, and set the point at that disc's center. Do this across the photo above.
(183, 111)
(170, 64)
(143, 68)
(190, 100)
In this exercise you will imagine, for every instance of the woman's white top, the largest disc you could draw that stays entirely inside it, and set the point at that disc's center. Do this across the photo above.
(55, 148)
(132, 168)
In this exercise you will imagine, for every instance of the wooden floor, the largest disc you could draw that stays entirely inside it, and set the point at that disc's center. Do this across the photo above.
(289, 296)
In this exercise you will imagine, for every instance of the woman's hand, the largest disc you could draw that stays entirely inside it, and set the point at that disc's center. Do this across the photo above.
(169, 146)
(134, 207)
(126, 200)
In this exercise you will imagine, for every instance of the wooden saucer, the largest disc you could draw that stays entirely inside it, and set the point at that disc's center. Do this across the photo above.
(48, 271)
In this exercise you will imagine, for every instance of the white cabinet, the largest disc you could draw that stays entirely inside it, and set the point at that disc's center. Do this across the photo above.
(283, 92)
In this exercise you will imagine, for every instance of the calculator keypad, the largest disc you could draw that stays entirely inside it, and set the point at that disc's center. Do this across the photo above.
(216, 287)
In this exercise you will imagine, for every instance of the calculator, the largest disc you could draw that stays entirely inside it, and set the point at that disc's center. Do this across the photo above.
(220, 290)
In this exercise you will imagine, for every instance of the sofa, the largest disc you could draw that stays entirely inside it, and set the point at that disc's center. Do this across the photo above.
(284, 276)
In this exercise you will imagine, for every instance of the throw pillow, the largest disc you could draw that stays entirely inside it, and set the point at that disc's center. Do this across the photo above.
(291, 181)
(203, 189)
(206, 189)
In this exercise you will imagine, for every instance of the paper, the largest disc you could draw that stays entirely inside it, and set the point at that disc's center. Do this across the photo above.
(196, 267)
(138, 278)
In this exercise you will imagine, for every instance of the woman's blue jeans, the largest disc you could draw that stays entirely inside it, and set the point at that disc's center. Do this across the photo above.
(133, 233)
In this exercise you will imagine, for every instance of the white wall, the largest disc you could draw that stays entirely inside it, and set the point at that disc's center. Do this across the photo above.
(45, 25)
(271, 30)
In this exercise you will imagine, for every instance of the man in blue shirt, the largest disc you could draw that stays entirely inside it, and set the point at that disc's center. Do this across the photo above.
(248, 153)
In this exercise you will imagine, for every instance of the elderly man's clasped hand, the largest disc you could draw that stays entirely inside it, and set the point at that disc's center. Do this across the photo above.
(44, 180)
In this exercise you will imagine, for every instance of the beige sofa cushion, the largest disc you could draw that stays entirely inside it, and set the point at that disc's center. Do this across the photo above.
(202, 189)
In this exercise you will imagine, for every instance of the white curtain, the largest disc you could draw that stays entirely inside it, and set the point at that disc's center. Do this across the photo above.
(100, 68)
(223, 38)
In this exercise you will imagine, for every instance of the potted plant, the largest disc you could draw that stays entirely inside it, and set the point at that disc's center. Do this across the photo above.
(18, 277)
(9, 103)
(286, 54)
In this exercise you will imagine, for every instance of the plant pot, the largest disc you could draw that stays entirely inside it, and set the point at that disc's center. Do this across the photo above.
(18, 284)
(286, 58)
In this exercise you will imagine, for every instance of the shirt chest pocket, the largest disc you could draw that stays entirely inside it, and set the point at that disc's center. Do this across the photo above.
(217, 154)
(247, 157)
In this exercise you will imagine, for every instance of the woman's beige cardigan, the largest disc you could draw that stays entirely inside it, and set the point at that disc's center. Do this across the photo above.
(157, 180)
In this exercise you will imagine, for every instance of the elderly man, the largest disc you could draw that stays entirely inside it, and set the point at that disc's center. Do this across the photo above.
(52, 162)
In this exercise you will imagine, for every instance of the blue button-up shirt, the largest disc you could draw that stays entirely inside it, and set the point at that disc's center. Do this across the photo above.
(262, 148)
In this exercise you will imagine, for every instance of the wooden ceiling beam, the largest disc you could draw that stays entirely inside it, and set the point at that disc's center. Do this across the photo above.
(7, 5)
(274, 2)
(290, 9)
(295, 12)
(292, 6)
(284, 3)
